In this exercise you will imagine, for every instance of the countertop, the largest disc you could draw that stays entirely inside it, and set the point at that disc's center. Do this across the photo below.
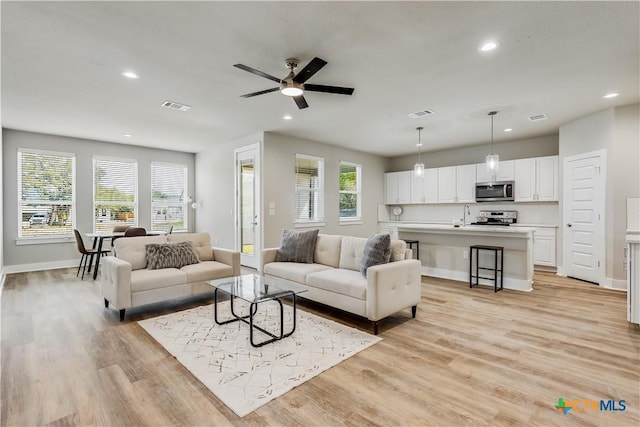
(518, 225)
(469, 229)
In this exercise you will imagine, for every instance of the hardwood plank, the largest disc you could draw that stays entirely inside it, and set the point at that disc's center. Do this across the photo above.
(470, 357)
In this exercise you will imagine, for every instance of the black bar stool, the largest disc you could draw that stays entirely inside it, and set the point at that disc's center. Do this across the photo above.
(410, 243)
(495, 269)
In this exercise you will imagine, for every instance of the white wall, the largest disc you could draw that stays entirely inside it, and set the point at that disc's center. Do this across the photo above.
(18, 257)
(618, 131)
(1, 218)
(278, 183)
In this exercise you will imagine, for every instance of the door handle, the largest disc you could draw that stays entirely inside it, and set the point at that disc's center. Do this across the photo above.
(569, 225)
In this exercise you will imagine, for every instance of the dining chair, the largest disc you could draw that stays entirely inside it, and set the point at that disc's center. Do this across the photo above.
(169, 229)
(135, 231)
(118, 229)
(87, 254)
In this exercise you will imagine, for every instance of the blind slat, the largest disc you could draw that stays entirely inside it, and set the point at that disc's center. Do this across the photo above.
(115, 185)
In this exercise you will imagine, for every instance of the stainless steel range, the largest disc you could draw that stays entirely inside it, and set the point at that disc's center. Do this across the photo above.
(496, 218)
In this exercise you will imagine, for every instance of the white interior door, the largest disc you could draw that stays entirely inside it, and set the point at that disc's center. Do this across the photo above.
(248, 205)
(583, 216)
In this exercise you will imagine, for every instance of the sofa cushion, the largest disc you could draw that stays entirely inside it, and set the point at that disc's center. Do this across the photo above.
(132, 249)
(297, 246)
(327, 250)
(201, 243)
(207, 270)
(345, 282)
(145, 280)
(170, 255)
(351, 252)
(398, 248)
(293, 270)
(377, 250)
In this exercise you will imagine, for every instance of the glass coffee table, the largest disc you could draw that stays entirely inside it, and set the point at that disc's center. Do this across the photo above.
(256, 289)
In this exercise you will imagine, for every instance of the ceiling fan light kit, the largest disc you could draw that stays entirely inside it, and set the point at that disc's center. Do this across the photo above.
(293, 84)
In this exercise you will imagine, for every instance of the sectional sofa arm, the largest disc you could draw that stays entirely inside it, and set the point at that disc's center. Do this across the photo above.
(116, 282)
(393, 287)
(228, 257)
(269, 255)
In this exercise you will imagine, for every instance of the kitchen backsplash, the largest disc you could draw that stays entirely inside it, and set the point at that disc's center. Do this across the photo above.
(528, 213)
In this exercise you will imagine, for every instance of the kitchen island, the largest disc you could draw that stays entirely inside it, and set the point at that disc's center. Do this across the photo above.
(444, 250)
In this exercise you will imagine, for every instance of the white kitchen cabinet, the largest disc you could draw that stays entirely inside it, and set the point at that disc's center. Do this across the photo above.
(456, 184)
(417, 188)
(390, 230)
(544, 247)
(505, 173)
(397, 187)
(536, 179)
(424, 189)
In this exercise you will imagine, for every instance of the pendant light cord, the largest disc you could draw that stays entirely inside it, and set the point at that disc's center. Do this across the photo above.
(419, 143)
(492, 113)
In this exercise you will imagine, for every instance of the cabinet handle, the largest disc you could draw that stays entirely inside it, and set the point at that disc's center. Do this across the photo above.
(569, 225)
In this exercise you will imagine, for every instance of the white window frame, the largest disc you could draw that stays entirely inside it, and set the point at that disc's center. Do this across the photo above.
(50, 238)
(358, 193)
(185, 196)
(135, 187)
(318, 220)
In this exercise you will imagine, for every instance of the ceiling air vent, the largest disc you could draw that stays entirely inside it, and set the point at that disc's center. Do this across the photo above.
(538, 117)
(175, 106)
(419, 114)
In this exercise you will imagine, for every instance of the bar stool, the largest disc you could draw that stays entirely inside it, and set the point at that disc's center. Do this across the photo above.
(410, 243)
(495, 269)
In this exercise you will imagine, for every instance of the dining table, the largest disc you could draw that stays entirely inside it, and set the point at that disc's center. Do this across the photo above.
(98, 241)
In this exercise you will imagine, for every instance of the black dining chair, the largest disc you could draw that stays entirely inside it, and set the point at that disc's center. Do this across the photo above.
(135, 231)
(169, 229)
(87, 254)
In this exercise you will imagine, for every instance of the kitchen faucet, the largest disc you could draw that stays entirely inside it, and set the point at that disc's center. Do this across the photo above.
(465, 211)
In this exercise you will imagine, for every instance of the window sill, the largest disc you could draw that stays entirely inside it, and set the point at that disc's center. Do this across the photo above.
(44, 240)
(350, 222)
(309, 224)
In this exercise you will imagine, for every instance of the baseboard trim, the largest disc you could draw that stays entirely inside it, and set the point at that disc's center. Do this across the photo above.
(462, 276)
(39, 266)
(614, 284)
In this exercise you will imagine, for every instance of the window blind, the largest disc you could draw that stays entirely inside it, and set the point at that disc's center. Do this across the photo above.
(115, 190)
(350, 195)
(308, 189)
(168, 196)
(46, 194)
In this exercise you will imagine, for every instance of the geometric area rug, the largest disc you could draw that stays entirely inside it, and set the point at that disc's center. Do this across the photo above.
(246, 377)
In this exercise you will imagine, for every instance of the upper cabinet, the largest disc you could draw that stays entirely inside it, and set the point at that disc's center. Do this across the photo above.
(424, 189)
(456, 184)
(398, 187)
(505, 172)
(536, 179)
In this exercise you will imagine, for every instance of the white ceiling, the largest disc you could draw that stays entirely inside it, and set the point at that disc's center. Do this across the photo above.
(61, 65)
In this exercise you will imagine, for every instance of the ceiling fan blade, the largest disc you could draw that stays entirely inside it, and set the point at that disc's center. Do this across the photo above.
(249, 95)
(329, 89)
(309, 70)
(300, 102)
(257, 73)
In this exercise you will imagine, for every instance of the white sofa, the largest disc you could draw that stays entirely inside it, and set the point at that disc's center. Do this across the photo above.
(334, 277)
(126, 282)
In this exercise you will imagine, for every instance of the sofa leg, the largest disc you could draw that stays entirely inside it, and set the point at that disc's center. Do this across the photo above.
(122, 315)
(106, 303)
(414, 308)
(375, 327)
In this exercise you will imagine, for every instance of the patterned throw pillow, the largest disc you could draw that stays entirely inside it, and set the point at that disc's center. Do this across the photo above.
(377, 250)
(169, 255)
(297, 246)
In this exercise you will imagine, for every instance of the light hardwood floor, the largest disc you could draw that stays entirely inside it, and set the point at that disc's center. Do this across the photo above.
(471, 357)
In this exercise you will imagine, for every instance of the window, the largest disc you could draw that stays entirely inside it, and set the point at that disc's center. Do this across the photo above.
(46, 194)
(350, 194)
(309, 180)
(168, 196)
(115, 191)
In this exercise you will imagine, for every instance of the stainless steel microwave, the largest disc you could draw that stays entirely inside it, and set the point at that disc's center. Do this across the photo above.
(501, 191)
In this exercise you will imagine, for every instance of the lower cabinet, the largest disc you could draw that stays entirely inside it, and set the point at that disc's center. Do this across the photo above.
(544, 247)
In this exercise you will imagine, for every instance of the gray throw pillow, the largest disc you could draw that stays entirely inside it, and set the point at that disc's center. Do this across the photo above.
(297, 246)
(377, 250)
(169, 255)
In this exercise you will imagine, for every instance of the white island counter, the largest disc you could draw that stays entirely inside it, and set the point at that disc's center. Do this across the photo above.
(444, 250)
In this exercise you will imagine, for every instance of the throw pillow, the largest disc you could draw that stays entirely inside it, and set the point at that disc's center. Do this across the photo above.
(377, 250)
(297, 246)
(169, 255)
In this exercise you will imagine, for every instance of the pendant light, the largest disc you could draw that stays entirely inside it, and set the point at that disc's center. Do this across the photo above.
(418, 169)
(492, 160)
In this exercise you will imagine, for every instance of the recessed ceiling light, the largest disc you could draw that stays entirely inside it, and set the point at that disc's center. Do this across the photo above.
(488, 46)
(127, 135)
(287, 117)
(130, 75)
(611, 95)
(508, 130)
(419, 144)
